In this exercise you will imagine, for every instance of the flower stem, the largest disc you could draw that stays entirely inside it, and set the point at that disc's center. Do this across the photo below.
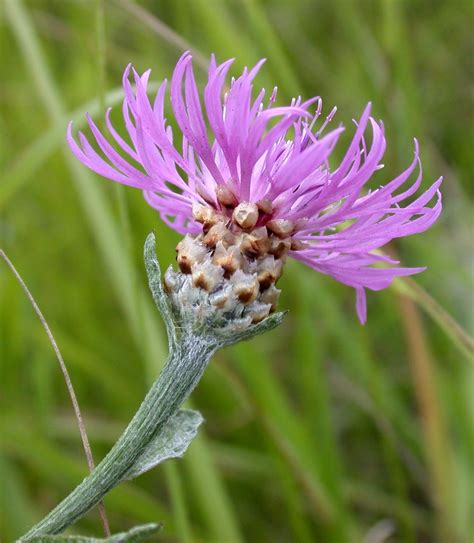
(193, 339)
(185, 366)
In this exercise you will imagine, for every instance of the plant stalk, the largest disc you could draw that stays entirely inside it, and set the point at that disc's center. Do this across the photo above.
(182, 372)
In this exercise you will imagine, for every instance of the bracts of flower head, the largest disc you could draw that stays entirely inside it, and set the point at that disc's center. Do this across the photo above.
(261, 188)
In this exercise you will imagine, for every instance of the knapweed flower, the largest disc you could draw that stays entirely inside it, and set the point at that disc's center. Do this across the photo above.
(250, 184)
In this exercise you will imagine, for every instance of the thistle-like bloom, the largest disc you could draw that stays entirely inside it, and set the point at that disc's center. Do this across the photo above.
(252, 185)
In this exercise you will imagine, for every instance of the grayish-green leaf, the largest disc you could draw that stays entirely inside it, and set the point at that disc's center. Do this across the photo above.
(170, 442)
(159, 295)
(271, 322)
(138, 534)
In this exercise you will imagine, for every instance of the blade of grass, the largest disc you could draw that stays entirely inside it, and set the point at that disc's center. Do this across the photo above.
(397, 47)
(285, 428)
(67, 380)
(101, 51)
(368, 497)
(37, 153)
(213, 500)
(271, 44)
(314, 386)
(352, 352)
(15, 503)
(290, 478)
(92, 198)
(178, 502)
(372, 66)
(460, 338)
(222, 32)
(355, 353)
(89, 363)
(57, 467)
(164, 31)
(295, 501)
(100, 32)
(436, 438)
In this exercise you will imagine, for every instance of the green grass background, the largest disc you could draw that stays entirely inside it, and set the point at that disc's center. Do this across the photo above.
(323, 431)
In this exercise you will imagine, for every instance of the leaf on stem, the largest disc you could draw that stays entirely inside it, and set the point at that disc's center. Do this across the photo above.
(171, 441)
(135, 535)
(159, 296)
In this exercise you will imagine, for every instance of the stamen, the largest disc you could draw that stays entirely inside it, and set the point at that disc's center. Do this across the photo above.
(273, 97)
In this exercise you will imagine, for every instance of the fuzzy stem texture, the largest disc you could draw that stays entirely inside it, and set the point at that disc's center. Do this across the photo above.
(184, 368)
(196, 328)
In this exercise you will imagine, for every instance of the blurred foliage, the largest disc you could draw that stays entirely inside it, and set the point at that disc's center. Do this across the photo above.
(324, 431)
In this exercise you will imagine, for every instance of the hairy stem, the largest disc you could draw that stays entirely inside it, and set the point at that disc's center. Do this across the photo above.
(184, 368)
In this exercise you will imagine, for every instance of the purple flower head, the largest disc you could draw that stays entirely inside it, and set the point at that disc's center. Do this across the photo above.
(237, 150)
